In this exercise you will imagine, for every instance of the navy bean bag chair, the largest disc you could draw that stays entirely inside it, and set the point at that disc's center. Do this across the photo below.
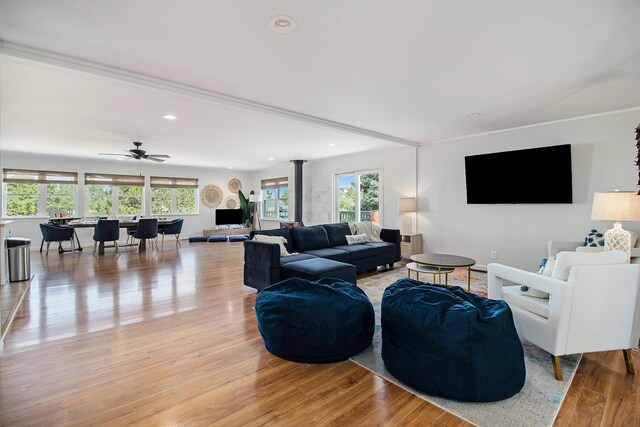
(450, 343)
(314, 322)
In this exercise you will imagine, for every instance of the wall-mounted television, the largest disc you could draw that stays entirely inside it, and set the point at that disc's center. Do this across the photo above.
(534, 175)
(228, 216)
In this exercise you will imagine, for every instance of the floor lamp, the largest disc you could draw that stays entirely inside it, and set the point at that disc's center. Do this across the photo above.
(616, 206)
(256, 199)
(407, 205)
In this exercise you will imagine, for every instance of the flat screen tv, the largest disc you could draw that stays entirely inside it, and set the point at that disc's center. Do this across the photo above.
(535, 175)
(228, 216)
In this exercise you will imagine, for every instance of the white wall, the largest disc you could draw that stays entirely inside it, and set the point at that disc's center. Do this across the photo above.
(193, 224)
(397, 167)
(603, 159)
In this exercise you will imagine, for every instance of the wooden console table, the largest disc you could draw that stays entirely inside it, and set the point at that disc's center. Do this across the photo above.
(226, 232)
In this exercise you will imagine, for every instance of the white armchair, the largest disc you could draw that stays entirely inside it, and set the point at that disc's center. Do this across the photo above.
(591, 307)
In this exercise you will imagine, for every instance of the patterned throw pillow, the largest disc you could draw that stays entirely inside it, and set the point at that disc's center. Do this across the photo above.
(594, 239)
(357, 239)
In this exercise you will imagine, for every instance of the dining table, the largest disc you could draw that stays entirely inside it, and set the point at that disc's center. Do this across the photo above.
(123, 224)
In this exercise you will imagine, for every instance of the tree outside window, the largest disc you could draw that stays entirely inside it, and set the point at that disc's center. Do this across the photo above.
(161, 200)
(99, 201)
(129, 200)
(22, 199)
(186, 200)
(358, 196)
(60, 198)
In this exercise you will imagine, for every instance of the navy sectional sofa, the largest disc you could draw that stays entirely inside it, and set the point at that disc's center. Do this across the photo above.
(264, 266)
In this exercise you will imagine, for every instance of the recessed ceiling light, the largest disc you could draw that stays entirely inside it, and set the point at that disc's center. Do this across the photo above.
(332, 145)
(473, 115)
(282, 24)
(169, 117)
(230, 167)
(270, 158)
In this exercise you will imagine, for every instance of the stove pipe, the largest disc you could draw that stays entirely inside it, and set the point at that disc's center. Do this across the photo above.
(298, 187)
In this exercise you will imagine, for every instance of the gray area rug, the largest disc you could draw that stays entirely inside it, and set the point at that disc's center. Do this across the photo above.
(537, 404)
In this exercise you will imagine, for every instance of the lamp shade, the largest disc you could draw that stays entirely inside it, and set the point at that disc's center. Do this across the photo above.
(255, 198)
(407, 204)
(616, 206)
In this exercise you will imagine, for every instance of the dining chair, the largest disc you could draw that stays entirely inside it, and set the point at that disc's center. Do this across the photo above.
(175, 228)
(106, 230)
(147, 229)
(54, 233)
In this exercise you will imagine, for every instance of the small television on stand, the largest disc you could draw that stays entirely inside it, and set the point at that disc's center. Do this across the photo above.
(229, 217)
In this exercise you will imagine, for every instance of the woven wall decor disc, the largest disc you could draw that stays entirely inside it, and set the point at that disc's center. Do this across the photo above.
(235, 185)
(211, 196)
(231, 203)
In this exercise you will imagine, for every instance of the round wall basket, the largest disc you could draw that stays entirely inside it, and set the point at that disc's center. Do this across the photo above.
(211, 196)
(235, 185)
(231, 203)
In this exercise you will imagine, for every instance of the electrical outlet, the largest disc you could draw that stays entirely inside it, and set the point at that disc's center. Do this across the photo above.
(494, 254)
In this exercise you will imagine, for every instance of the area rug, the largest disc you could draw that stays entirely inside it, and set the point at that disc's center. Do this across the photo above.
(537, 404)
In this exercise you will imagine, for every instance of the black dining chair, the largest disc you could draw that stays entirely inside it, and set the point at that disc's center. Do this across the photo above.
(147, 229)
(175, 228)
(130, 232)
(106, 230)
(54, 233)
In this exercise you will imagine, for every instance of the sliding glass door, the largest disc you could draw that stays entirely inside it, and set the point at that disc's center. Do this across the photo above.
(358, 196)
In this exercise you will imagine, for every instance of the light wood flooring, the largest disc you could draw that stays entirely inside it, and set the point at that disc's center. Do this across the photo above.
(171, 339)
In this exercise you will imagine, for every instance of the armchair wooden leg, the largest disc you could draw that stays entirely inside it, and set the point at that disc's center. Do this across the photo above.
(178, 240)
(628, 361)
(47, 252)
(557, 369)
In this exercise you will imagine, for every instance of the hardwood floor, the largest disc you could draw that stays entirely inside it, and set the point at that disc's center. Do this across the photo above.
(171, 338)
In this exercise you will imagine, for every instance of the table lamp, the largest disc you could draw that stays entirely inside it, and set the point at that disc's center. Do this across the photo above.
(616, 206)
(256, 199)
(407, 205)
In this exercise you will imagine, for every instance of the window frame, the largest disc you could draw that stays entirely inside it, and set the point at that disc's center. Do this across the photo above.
(42, 178)
(174, 183)
(274, 184)
(357, 174)
(114, 181)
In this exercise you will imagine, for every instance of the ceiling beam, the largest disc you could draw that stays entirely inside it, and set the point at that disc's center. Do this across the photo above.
(58, 60)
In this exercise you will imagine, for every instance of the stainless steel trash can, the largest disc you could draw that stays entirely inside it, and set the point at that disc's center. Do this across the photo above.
(19, 258)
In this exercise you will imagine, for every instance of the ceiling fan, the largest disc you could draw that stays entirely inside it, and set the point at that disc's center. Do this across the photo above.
(138, 153)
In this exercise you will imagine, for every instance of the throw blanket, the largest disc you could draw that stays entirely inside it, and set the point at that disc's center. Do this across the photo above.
(366, 227)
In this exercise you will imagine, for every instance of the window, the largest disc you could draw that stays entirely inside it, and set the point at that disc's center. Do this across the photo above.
(114, 194)
(39, 193)
(275, 198)
(358, 196)
(174, 195)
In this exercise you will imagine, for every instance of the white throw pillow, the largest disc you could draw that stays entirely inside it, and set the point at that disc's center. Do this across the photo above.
(357, 239)
(274, 239)
(566, 260)
(548, 267)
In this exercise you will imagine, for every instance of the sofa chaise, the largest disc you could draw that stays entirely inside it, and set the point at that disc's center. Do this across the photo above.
(321, 251)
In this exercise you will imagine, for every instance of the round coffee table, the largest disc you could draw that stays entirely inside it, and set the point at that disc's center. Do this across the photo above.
(444, 261)
(439, 272)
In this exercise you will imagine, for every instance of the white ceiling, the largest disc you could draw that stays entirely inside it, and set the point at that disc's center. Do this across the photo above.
(410, 69)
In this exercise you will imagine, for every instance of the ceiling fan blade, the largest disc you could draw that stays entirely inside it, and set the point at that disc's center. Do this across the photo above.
(164, 156)
(110, 154)
(153, 158)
